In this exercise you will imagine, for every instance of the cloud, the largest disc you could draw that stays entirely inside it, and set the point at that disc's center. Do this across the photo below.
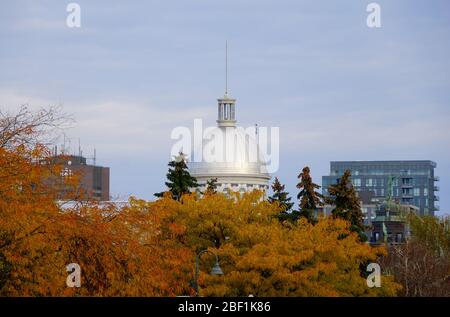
(388, 132)
(121, 129)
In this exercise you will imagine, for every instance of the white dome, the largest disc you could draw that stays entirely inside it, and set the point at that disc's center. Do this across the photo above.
(231, 155)
(229, 151)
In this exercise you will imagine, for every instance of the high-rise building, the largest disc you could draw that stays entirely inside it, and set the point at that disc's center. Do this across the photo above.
(412, 182)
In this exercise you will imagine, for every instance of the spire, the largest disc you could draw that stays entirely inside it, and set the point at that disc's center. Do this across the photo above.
(226, 68)
(226, 108)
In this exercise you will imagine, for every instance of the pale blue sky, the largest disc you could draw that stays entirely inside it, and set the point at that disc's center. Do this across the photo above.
(337, 89)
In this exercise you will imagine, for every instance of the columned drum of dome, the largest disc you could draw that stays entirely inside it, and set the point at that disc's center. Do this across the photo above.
(226, 112)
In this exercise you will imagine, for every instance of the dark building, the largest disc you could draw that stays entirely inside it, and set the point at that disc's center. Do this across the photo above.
(93, 181)
(412, 182)
(390, 224)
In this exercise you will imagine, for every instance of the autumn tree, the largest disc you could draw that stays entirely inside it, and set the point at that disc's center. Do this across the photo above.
(432, 232)
(27, 203)
(130, 250)
(422, 264)
(261, 256)
(179, 180)
(310, 200)
(346, 204)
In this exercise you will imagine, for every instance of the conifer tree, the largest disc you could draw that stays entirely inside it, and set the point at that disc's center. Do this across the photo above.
(179, 180)
(347, 206)
(281, 196)
(211, 186)
(309, 198)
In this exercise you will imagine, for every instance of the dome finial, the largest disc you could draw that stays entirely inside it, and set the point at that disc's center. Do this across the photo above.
(226, 67)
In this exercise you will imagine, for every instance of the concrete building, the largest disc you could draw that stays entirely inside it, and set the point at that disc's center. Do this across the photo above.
(412, 182)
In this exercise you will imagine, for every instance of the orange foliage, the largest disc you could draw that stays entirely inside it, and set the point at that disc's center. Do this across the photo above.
(125, 251)
(263, 257)
(148, 248)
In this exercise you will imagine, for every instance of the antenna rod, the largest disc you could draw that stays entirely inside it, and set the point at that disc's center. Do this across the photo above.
(226, 67)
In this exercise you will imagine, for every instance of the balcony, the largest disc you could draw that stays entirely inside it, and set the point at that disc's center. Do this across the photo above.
(407, 185)
(437, 179)
(436, 198)
(436, 188)
(437, 208)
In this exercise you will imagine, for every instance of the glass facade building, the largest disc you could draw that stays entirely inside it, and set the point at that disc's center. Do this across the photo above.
(413, 182)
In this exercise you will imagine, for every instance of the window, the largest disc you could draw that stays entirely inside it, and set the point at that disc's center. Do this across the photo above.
(369, 182)
(406, 191)
(416, 192)
(407, 181)
(408, 201)
(425, 191)
(356, 182)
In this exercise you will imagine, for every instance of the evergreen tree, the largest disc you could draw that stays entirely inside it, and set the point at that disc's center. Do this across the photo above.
(347, 206)
(281, 196)
(211, 186)
(309, 198)
(179, 182)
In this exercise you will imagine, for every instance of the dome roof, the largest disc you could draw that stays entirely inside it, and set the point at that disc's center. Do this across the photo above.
(228, 151)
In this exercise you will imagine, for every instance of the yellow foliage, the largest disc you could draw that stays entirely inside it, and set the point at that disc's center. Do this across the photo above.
(261, 256)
